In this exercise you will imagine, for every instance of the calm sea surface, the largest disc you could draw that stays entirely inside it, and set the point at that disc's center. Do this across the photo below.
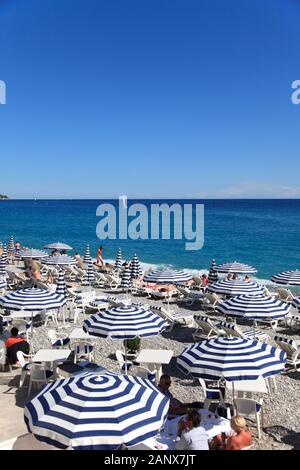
(263, 233)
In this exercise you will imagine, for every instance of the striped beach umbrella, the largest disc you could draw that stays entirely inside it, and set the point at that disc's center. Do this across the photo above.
(2, 266)
(87, 256)
(125, 322)
(126, 282)
(232, 359)
(235, 267)
(288, 277)
(168, 276)
(61, 284)
(11, 245)
(254, 307)
(58, 246)
(32, 299)
(235, 287)
(89, 275)
(4, 254)
(135, 268)
(32, 254)
(212, 275)
(96, 412)
(2, 283)
(60, 261)
(118, 261)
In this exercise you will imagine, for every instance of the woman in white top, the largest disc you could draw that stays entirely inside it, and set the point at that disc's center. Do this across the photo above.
(191, 436)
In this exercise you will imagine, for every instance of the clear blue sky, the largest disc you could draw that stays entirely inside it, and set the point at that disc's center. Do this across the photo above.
(149, 98)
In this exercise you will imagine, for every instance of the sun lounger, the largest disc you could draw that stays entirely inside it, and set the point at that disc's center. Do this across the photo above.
(231, 329)
(181, 318)
(291, 348)
(188, 296)
(206, 329)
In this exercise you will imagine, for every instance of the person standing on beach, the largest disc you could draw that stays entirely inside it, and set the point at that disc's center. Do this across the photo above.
(100, 261)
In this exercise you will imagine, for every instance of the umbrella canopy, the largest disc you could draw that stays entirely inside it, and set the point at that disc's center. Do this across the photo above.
(255, 307)
(135, 268)
(11, 245)
(60, 260)
(126, 278)
(235, 287)
(32, 253)
(232, 359)
(89, 275)
(2, 266)
(96, 412)
(61, 284)
(212, 275)
(288, 277)
(125, 323)
(235, 267)
(87, 256)
(168, 276)
(32, 299)
(58, 246)
(118, 261)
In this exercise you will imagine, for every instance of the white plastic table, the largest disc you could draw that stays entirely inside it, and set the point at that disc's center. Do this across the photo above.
(155, 357)
(51, 355)
(79, 333)
(251, 386)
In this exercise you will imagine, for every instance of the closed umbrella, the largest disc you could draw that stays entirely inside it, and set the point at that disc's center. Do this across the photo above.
(89, 275)
(118, 261)
(96, 412)
(212, 275)
(135, 268)
(87, 256)
(126, 282)
(2, 266)
(4, 254)
(61, 288)
(11, 245)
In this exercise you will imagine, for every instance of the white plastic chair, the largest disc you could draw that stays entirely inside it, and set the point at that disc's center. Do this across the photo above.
(39, 375)
(249, 408)
(83, 350)
(143, 372)
(25, 364)
(56, 341)
(120, 356)
(210, 394)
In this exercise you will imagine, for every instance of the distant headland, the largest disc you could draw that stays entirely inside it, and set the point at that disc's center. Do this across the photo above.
(2, 196)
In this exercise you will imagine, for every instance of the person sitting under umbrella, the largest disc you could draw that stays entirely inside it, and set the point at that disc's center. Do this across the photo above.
(240, 438)
(191, 435)
(176, 406)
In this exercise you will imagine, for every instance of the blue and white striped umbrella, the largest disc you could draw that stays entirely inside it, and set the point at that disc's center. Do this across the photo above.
(2, 266)
(232, 359)
(58, 246)
(2, 283)
(235, 287)
(126, 279)
(89, 276)
(60, 261)
(125, 323)
(11, 245)
(288, 277)
(118, 261)
(235, 267)
(212, 275)
(96, 412)
(135, 268)
(4, 254)
(61, 284)
(87, 256)
(254, 307)
(32, 299)
(32, 253)
(168, 276)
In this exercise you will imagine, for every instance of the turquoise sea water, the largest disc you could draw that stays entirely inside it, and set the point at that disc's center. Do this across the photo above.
(262, 233)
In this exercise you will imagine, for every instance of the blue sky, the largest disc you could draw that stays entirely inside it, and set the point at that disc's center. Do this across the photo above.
(149, 98)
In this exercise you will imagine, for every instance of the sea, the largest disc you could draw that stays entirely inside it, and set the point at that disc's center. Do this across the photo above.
(264, 233)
